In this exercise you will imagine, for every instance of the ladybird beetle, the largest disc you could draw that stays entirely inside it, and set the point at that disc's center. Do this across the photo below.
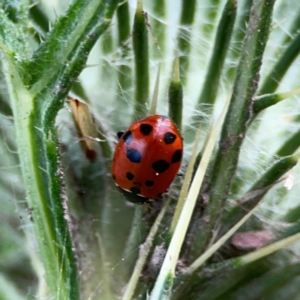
(147, 158)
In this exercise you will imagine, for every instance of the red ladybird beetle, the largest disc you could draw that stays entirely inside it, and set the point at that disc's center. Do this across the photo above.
(147, 158)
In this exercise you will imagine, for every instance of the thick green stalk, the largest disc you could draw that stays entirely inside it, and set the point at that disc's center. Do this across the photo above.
(184, 35)
(238, 115)
(141, 59)
(34, 114)
(58, 260)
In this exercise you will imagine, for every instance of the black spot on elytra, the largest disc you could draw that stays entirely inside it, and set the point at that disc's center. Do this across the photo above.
(129, 176)
(176, 157)
(169, 137)
(114, 177)
(127, 137)
(160, 166)
(119, 134)
(145, 129)
(149, 183)
(135, 190)
(134, 155)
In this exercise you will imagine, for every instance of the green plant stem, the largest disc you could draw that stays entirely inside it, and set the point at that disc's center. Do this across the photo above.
(185, 186)
(133, 241)
(11, 38)
(275, 76)
(294, 229)
(17, 12)
(279, 168)
(175, 95)
(159, 29)
(238, 114)
(293, 30)
(141, 59)
(79, 91)
(58, 261)
(123, 18)
(212, 80)
(107, 47)
(211, 12)
(8, 290)
(262, 102)
(144, 253)
(281, 277)
(78, 22)
(184, 35)
(258, 254)
(238, 35)
(153, 105)
(5, 108)
(209, 252)
(105, 274)
(35, 111)
(266, 181)
(290, 146)
(39, 17)
(163, 285)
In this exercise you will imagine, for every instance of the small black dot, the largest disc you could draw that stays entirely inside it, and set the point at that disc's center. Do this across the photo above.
(149, 183)
(176, 157)
(145, 129)
(127, 137)
(119, 134)
(169, 137)
(134, 155)
(114, 177)
(160, 166)
(135, 190)
(129, 176)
